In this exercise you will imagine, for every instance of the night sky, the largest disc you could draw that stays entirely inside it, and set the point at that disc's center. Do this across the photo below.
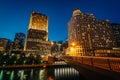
(15, 14)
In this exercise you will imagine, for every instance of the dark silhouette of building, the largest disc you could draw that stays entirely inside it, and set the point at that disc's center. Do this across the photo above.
(65, 45)
(54, 47)
(60, 45)
(18, 43)
(116, 33)
(4, 45)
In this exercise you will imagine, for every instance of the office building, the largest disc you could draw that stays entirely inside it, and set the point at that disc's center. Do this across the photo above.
(37, 35)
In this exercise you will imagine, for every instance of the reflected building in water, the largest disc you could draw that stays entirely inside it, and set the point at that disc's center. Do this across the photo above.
(53, 73)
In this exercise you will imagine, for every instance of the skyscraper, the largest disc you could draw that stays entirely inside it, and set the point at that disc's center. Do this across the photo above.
(39, 22)
(37, 35)
(18, 43)
(87, 34)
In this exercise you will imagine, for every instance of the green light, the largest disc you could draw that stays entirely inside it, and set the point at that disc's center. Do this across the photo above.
(41, 61)
(22, 75)
(24, 62)
(14, 62)
(12, 75)
(31, 74)
(4, 62)
(1, 75)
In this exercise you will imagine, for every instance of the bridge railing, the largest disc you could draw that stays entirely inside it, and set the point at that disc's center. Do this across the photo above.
(108, 63)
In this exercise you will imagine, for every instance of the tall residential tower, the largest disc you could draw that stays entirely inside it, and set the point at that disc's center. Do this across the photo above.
(86, 34)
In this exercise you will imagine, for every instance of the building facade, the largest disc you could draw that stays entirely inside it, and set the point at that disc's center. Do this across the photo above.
(116, 32)
(87, 34)
(18, 43)
(37, 35)
(4, 45)
(39, 21)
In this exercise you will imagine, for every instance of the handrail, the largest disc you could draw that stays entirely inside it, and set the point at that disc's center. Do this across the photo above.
(112, 64)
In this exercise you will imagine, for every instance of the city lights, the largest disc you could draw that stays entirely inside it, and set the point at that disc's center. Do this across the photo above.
(57, 41)
(91, 34)
(73, 44)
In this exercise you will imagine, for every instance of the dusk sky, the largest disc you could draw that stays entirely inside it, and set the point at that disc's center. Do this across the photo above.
(15, 14)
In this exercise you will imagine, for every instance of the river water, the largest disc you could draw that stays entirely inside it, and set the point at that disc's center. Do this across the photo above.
(51, 73)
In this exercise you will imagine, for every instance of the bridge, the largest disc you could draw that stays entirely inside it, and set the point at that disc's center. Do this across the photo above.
(95, 68)
(92, 68)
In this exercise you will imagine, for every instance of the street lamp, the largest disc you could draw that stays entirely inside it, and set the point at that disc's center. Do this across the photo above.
(73, 45)
(52, 43)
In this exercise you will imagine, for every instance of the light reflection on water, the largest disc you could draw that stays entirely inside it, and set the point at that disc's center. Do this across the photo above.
(52, 73)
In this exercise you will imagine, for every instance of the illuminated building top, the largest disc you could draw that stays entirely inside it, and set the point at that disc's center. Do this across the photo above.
(89, 32)
(37, 35)
(76, 12)
(38, 21)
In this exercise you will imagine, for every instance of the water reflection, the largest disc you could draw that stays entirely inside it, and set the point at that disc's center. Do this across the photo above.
(66, 74)
(12, 75)
(58, 73)
(1, 74)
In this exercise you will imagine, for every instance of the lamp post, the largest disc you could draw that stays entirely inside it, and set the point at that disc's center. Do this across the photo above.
(52, 43)
(73, 44)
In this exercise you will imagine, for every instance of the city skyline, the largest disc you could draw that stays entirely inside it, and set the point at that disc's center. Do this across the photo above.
(15, 15)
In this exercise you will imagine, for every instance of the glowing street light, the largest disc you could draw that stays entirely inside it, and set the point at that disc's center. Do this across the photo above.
(73, 44)
(52, 43)
(73, 49)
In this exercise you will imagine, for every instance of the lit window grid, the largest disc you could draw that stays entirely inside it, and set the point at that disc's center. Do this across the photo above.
(80, 26)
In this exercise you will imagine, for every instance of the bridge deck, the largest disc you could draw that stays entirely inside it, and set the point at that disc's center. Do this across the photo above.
(108, 63)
